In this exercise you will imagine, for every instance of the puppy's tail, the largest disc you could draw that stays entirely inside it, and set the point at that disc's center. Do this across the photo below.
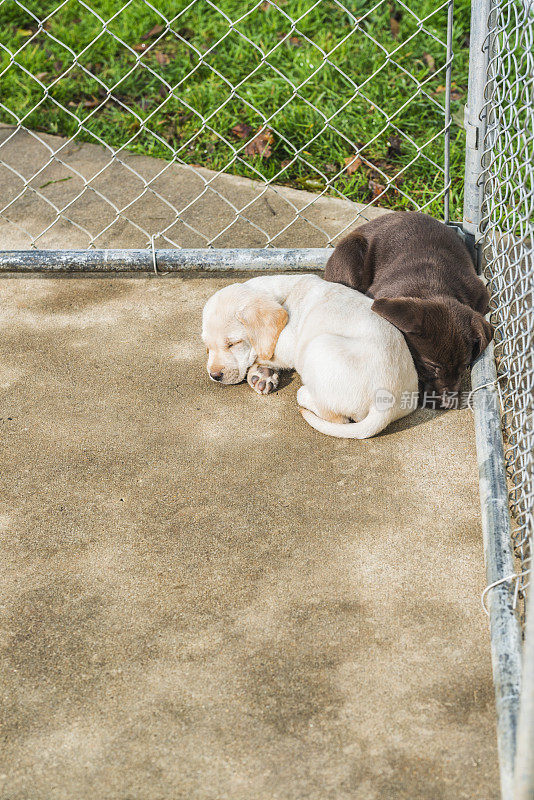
(373, 423)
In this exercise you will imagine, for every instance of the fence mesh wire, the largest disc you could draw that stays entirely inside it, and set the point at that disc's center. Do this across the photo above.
(339, 100)
(508, 222)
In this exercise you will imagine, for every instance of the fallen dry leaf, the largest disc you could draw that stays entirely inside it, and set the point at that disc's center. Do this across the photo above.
(260, 145)
(395, 16)
(352, 164)
(162, 58)
(381, 164)
(394, 145)
(153, 32)
(430, 62)
(41, 75)
(456, 94)
(376, 189)
(92, 103)
(139, 48)
(242, 130)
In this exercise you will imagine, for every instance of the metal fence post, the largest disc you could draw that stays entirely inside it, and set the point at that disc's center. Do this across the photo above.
(505, 630)
(474, 118)
(524, 764)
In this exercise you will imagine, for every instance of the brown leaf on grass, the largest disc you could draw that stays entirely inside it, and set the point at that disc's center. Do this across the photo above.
(456, 94)
(394, 145)
(380, 164)
(162, 58)
(260, 145)
(430, 62)
(293, 41)
(140, 48)
(242, 130)
(394, 20)
(153, 32)
(352, 164)
(41, 75)
(329, 168)
(376, 188)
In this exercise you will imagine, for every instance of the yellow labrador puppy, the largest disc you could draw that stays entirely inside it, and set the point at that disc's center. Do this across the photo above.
(355, 366)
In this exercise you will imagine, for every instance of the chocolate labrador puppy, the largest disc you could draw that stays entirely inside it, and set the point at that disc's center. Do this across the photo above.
(424, 282)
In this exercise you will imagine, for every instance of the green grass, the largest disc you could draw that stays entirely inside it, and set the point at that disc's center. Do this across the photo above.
(169, 100)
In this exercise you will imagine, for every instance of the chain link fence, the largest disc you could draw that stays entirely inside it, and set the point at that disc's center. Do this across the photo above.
(304, 99)
(500, 125)
(508, 223)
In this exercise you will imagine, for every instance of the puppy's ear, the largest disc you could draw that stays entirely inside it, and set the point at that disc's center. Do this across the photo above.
(347, 264)
(482, 334)
(264, 320)
(406, 313)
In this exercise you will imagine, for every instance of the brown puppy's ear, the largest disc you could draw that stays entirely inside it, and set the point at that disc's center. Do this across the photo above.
(482, 334)
(347, 264)
(406, 313)
(264, 320)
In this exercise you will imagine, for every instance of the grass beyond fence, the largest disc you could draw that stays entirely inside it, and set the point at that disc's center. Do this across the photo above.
(137, 83)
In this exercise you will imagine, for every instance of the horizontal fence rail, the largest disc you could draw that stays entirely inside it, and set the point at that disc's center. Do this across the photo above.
(207, 260)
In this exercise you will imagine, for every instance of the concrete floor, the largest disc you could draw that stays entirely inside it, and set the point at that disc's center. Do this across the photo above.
(204, 598)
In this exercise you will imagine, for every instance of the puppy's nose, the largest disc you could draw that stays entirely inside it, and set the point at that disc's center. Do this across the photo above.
(216, 376)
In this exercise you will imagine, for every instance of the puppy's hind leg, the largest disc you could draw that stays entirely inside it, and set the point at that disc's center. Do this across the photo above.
(305, 400)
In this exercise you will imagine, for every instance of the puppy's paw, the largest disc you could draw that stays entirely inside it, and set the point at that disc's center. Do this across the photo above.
(263, 380)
